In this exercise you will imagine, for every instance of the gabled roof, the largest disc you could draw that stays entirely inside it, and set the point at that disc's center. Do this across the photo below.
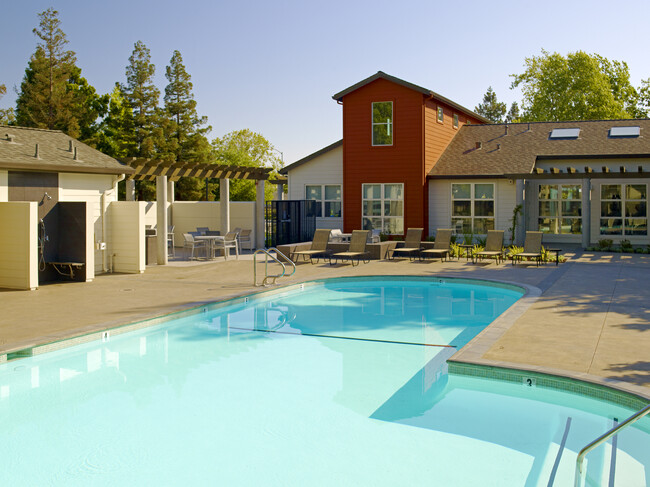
(305, 160)
(18, 152)
(381, 75)
(514, 148)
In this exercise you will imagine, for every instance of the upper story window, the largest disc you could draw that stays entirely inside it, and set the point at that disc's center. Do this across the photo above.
(455, 120)
(440, 115)
(382, 123)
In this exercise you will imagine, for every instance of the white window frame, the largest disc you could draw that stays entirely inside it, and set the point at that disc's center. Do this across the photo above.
(324, 200)
(390, 125)
(559, 216)
(472, 199)
(624, 199)
(383, 200)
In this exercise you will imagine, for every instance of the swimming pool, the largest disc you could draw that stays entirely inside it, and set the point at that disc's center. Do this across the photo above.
(338, 382)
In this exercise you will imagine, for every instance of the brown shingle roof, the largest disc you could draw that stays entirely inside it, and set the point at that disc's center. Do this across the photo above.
(18, 148)
(516, 152)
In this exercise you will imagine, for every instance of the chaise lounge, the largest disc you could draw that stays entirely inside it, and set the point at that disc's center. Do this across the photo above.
(412, 244)
(318, 247)
(493, 247)
(356, 250)
(441, 245)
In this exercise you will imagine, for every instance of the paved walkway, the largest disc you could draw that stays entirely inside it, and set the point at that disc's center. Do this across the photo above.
(590, 321)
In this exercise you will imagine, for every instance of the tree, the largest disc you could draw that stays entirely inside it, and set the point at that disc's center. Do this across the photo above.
(491, 108)
(245, 148)
(513, 113)
(53, 94)
(143, 98)
(116, 135)
(6, 114)
(577, 87)
(643, 103)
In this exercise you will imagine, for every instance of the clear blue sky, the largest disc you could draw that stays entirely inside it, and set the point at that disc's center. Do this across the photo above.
(273, 66)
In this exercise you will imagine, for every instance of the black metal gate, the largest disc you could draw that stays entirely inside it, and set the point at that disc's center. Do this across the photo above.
(290, 221)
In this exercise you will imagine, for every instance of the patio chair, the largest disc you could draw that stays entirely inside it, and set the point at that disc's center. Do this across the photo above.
(318, 247)
(170, 239)
(532, 248)
(202, 230)
(245, 237)
(412, 244)
(356, 250)
(191, 244)
(227, 243)
(493, 246)
(440, 245)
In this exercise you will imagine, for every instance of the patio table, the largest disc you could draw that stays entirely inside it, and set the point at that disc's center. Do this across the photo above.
(211, 240)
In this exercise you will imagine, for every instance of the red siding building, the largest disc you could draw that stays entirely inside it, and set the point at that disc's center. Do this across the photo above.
(393, 134)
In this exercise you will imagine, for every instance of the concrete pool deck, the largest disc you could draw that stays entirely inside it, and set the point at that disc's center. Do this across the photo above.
(590, 321)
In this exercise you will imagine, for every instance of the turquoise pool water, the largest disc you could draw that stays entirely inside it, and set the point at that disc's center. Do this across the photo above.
(341, 383)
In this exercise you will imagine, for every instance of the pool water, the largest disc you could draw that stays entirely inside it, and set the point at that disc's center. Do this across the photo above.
(341, 383)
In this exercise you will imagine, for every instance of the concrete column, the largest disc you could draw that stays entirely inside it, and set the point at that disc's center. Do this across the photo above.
(280, 194)
(130, 190)
(224, 205)
(162, 221)
(260, 227)
(520, 233)
(586, 212)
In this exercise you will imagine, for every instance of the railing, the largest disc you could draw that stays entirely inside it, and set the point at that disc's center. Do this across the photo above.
(603, 438)
(266, 266)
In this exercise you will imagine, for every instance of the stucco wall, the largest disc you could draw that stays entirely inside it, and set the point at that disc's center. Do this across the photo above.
(188, 215)
(127, 240)
(18, 245)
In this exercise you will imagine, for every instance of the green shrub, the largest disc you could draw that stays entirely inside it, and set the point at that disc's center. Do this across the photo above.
(455, 250)
(605, 244)
(626, 246)
(468, 238)
(514, 250)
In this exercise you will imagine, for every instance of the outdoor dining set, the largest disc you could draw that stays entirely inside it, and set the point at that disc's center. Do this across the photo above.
(212, 243)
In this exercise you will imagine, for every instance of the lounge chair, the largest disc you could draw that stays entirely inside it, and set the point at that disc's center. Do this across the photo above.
(357, 249)
(532, 248)
(440, 246)
(318, 247)
(412, 244)
(493, 246)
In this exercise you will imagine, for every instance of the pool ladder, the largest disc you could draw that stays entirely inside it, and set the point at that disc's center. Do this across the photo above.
(603, 438)
(268, 276)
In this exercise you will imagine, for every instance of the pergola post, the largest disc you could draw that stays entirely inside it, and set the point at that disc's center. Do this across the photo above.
(586, 212)
(260, 228)
(520, 234)
(130, 189)
(280, 193)
(162, 221)
(224, 205)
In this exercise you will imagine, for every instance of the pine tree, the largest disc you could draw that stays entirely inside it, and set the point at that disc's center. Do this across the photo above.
(513, 113)
(143, 98)
(53, 93)
(491, 108)
(6, 114)
(116, 135)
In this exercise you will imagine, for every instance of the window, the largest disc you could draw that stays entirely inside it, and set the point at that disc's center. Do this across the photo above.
(565, 133)
(382, 123)
(440, 115)
(329, 196)
(472, 207)
(455, 120)
(623, 209)
(560, 208)
(633, 131)
(383, 208)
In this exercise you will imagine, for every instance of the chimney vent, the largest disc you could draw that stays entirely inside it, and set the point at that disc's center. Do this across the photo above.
(36, 154)
(498, 146)
(506, 129)
(11, 138)
(70, 146)
(479, 145)
(76, 157)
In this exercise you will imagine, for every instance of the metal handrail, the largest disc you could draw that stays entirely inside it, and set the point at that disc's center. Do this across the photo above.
(266, 266)
(601, 439)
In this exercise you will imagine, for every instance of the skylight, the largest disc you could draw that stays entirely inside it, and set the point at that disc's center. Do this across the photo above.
(564, 133)
(625, 131)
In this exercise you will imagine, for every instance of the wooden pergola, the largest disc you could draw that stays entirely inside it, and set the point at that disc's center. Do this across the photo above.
(149, 169)
(165, 173)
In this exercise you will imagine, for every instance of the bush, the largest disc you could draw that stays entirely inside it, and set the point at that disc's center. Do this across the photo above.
(626, 246)
(455, 250)
(605, 244)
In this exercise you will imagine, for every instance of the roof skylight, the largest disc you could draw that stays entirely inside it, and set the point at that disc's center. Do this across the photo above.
(565, 133)
(633, 131)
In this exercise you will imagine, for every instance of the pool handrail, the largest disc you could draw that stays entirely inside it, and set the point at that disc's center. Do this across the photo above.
(603, 438)
(266, 265)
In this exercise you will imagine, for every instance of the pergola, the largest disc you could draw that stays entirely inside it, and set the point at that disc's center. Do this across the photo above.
(165, 173)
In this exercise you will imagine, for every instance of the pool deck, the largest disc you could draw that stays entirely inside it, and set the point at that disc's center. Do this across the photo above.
(587, 318)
